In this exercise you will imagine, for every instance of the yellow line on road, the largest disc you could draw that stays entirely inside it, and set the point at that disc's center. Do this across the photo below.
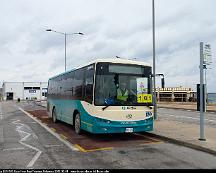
(53, 129)
(150, 142)
(63, 136)
(97, 149)
(80, 148)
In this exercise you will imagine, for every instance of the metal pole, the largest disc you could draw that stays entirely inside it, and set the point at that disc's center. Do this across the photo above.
(206, 91)
(202, 136)
(153, 34)
(65, 51)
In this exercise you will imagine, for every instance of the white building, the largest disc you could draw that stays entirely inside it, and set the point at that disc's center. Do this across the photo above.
(24, 90)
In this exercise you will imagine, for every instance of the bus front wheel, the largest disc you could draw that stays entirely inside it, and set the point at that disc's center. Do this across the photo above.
(54, 117)
(77, 124)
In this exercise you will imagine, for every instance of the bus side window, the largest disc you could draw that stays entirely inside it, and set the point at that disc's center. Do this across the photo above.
(88, 86)
(68, 84)
(78, 84)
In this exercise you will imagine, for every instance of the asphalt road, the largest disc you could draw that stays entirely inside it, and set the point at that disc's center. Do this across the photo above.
(187, 116)
(26, 144)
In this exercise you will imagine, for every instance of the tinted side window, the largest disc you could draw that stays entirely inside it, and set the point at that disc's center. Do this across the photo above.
(60, 87)
(78, 84)
(88, 86)
(68, 85)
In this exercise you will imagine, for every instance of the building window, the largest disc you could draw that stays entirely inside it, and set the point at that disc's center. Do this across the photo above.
(36, 88)
(27, 88)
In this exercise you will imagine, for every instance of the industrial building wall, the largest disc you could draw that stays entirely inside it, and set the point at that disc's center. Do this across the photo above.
(32, 90)
(25, 90)
(35, 90)
(14, 89)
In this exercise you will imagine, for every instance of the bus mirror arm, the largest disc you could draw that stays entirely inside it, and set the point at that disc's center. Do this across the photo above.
(156, 75)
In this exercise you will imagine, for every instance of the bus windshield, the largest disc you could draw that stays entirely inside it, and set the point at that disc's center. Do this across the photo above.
(122, 84)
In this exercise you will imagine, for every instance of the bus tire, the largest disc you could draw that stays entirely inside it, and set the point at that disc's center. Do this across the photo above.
(54, 117)
(77, 124)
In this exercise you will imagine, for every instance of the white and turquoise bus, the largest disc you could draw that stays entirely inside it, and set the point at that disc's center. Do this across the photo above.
(90, 98)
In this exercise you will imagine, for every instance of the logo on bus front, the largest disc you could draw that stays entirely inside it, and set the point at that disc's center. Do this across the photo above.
(129, 116)
(148, 114)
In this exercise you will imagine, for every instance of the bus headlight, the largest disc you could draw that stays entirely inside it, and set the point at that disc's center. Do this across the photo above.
(103, 120)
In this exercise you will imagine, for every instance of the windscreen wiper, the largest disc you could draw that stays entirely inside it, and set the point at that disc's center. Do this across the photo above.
(105, 107)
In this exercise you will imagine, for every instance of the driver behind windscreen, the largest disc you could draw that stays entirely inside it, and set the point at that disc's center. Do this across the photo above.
(122, 92)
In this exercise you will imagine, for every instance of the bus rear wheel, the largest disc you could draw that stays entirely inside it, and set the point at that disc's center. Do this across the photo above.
(77, 124)
(54, 117)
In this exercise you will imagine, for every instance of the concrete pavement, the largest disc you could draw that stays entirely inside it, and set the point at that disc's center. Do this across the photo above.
(185, 134)
(185, 105)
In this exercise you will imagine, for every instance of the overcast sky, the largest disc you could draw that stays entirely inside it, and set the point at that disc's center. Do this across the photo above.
(111, 27)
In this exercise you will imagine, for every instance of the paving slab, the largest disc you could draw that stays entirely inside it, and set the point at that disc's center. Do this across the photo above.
(186, 134)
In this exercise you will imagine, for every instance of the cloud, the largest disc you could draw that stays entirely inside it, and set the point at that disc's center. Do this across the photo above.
(122, 28)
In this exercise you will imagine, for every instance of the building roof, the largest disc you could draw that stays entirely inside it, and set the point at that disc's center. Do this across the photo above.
(174, 89)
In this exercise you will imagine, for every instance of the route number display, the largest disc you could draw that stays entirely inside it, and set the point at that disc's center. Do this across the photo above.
(144, 98)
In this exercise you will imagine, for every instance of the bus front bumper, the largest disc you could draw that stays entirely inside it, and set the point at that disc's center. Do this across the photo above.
(106, 126)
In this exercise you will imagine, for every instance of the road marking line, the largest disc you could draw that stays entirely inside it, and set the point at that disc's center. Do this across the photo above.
(53, 129)
(97, 149)
(31, 122)
(1, 135)
(100, 149)
(24, 138)
(11, 149)
(149, 142)
(71, 146)
(36, 156)
(80, 148)
(47, 146)
(63, 136)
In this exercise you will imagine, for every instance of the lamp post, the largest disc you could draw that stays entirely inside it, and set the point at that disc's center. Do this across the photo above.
(153, 37)
(65, 36)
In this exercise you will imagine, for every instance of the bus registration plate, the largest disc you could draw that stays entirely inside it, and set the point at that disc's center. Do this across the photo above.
(129, 130)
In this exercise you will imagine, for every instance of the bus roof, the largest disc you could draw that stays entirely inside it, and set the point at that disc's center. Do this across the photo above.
(111, 60)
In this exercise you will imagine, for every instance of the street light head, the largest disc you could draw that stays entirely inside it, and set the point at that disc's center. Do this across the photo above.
(80, 33)
(49, 30)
